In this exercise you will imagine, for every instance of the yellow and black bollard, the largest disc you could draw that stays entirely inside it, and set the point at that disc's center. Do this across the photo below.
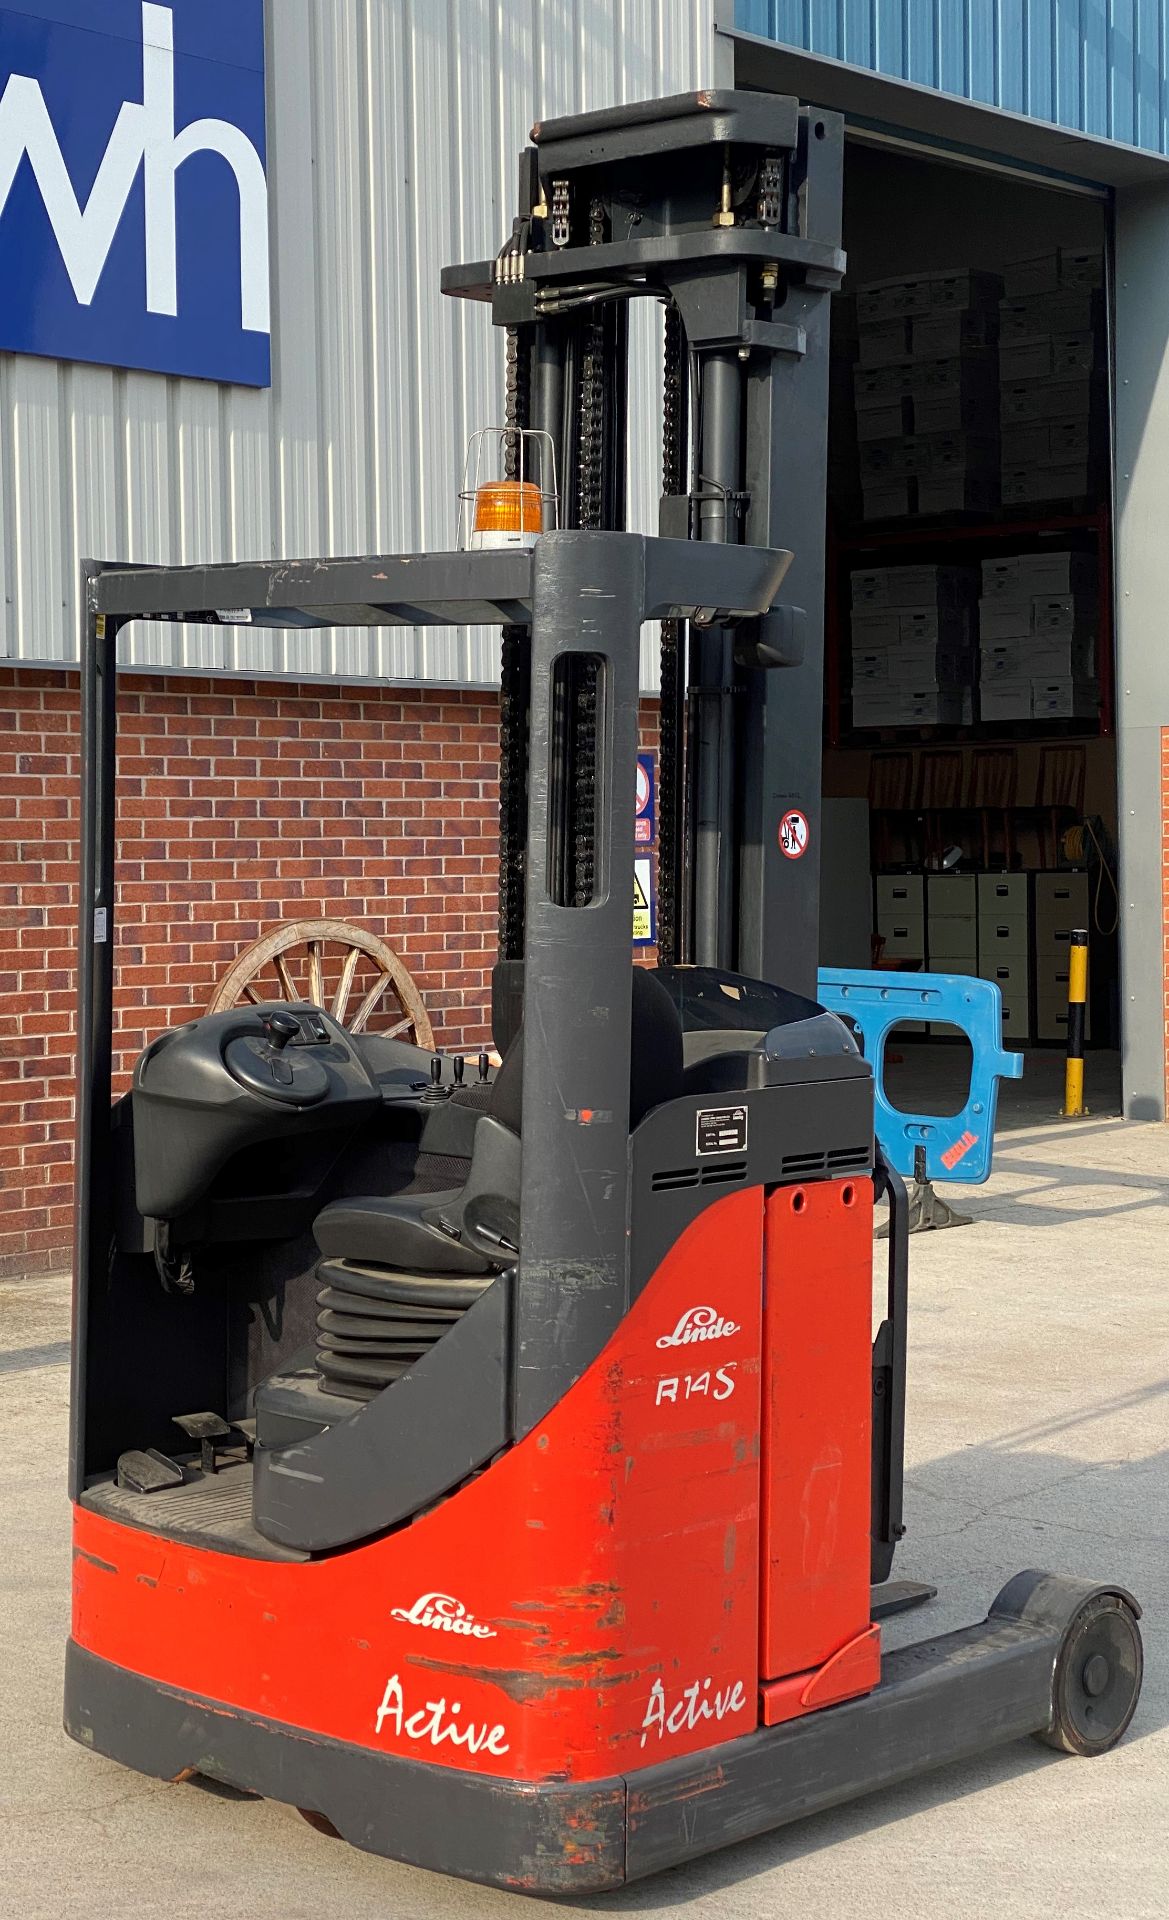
(1073, 1090)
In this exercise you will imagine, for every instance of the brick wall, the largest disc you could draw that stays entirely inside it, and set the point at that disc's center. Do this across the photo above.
(241, 804)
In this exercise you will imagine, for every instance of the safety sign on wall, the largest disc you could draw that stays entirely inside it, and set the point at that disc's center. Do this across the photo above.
(644, 916)
(794, 834)
(645, 819)
(645, 930)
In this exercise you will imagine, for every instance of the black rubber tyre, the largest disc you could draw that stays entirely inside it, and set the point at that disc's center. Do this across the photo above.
(319, 1822)
(1098, 1678)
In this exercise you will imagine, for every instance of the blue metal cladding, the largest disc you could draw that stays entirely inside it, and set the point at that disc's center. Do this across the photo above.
(1098, 66)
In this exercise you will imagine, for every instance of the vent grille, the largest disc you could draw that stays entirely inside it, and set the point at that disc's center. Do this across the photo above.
(670, 1179)
(849, 1157)
(729, 1170)
(800, 1164)
(805, 1166)
(793, 1166)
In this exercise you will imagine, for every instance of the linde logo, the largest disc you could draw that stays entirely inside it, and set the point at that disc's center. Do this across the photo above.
(133, 193)
(443, 1614)
(699, 1323)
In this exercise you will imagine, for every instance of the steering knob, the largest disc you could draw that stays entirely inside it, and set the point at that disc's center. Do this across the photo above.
(282, 1028)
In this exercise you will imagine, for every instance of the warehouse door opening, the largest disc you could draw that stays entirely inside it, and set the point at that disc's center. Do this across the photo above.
(969, 711)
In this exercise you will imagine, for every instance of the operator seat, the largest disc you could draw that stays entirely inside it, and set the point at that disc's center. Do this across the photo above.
(419, 1226)
(398, 1270)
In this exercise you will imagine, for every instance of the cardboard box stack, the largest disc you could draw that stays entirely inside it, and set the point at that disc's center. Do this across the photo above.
(1051, 374)
(1037, 637)
(925, 387)
(913, 658)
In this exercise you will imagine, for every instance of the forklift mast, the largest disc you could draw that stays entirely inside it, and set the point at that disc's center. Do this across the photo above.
(506, 1474)
(725, 209)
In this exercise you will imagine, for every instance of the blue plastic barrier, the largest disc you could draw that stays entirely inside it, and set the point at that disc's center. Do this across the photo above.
(957, 1146)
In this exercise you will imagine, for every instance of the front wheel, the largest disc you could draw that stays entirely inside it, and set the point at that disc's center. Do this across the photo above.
(1098, 1675)
(319, 1822)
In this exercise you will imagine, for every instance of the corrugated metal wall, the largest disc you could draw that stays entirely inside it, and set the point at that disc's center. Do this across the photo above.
(394, 127)
(1096, 65)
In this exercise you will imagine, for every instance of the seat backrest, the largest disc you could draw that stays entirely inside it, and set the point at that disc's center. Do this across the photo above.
(655, 1057)
(655, 1051)
(507, 1088)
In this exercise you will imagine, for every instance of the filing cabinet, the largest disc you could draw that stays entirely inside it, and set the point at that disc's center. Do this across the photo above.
(952, 896)
(1003, 896)
(1010, 975)
(1061, 905)
(1012, 928)
(900, 904)
(1004, 946)
(952, 922)
(900, 922)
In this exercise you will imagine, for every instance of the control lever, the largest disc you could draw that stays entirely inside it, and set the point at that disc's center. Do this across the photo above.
(281, 1029)
(436, 1090)
(484, 1066)
(460, 1069)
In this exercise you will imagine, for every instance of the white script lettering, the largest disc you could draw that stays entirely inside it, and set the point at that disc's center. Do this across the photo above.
(437, 1722)
(444, 1614)
(695, 1704)
(699, 1323)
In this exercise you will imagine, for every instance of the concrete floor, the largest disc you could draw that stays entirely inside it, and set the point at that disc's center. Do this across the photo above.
(1038, 1435)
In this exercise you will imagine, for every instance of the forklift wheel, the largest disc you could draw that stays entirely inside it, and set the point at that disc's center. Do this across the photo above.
(1097, 1678)
(319, 1823)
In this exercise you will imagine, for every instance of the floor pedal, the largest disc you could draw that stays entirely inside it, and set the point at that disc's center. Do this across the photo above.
(206, 1429)
(148, 1471)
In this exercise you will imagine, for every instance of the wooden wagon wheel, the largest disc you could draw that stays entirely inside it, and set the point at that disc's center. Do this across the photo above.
(320, 961)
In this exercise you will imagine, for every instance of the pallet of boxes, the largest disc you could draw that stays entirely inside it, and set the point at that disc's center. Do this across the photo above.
(1037, 618)
(1052, 388)
(913, 646)
(925, 390)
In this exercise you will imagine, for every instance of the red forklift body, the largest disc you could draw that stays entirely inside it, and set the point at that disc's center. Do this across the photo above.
(506, 1474)
(598, 1597)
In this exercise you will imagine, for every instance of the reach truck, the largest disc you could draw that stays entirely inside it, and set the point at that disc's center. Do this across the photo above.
(504, 1472)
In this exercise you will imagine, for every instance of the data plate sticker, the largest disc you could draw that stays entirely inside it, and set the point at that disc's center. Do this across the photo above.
(722, 1130)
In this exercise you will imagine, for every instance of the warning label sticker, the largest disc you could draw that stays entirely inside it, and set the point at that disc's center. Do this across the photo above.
(794, 834)
(721, 1130)
(644, 931)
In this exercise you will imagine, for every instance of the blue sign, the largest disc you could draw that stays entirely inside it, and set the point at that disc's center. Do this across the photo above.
(645, 818)
(133, 185)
